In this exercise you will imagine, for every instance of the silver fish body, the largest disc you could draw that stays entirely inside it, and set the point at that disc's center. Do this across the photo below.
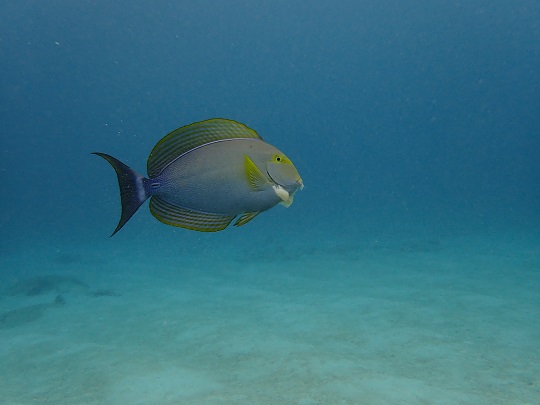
(204, 175)
(201, 181)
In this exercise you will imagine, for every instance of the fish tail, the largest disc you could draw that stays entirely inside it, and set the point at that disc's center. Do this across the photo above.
(134, 190)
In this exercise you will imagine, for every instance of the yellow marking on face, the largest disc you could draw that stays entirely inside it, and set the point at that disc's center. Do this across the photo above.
(281, 159)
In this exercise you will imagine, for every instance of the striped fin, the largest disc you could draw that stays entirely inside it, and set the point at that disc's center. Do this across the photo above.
(191, 136)
(255, 176)
(245, 218)
(171, 214)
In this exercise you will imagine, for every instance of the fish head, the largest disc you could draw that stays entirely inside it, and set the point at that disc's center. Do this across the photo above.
(282, 171)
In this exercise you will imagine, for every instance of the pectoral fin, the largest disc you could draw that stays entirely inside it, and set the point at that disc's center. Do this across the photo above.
(256, 178)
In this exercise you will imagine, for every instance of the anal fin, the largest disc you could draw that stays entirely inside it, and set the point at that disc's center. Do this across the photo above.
(174, 215)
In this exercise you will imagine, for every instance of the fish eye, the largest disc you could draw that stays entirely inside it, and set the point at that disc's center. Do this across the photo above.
(278, 158)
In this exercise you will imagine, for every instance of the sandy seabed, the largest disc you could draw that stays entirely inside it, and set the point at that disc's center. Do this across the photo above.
(424, 321)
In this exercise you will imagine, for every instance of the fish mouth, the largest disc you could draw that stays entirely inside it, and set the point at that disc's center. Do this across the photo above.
(298, 184)
(273, 180)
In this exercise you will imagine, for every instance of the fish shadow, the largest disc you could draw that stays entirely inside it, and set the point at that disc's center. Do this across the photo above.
(27, 314)
(57, 285)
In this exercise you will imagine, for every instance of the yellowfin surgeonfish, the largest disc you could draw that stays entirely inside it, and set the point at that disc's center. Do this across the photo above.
(201, 176)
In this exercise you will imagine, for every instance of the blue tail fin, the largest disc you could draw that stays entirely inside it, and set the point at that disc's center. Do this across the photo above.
(133, 192)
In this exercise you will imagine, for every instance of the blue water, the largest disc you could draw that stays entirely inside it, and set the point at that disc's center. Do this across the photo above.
(415, 127)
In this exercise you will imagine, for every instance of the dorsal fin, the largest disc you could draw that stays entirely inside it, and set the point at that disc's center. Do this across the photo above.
(191, 136)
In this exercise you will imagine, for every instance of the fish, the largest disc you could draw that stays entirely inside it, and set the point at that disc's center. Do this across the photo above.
(204, 175)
